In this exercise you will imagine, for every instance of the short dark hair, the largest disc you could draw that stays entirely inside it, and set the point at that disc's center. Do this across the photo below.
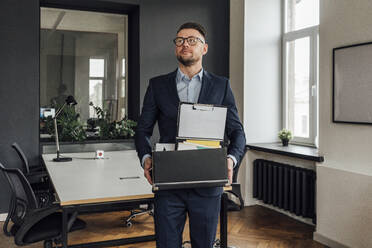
(193, 25)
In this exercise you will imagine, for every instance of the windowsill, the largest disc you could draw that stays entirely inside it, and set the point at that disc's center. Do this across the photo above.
(50, 141)
(88, 146)
(296, 151)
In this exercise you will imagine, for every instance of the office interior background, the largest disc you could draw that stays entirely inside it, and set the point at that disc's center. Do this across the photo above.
(249, 42)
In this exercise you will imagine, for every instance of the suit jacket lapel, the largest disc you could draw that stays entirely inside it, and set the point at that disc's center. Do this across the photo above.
(205, 88)
(172, 87)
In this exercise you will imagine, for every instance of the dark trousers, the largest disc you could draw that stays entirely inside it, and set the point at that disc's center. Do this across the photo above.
(171, 208)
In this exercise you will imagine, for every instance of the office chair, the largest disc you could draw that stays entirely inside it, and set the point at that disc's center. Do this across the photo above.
(38, 178)
(236, 190)
(33, 173)
(137, 212)
(30, 223)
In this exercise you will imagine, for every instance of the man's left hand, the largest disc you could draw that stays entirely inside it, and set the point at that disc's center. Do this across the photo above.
(230, 169)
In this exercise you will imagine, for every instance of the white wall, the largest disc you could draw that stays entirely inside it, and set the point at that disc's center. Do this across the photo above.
(262, 70)
(262, 80)
(344, 180)
(255, 74)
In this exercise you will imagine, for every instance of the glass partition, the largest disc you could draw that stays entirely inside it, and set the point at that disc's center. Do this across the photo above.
(83, 54)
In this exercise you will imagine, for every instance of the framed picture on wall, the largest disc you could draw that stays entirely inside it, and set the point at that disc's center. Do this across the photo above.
(352, 84)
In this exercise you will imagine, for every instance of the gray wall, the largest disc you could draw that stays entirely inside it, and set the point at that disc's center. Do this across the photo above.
(19, 66)
(159, 22)
(19, 84)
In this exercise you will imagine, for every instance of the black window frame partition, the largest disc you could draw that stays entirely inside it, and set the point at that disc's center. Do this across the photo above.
(133, 59)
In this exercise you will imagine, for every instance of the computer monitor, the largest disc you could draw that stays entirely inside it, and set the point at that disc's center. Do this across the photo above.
(45, 112)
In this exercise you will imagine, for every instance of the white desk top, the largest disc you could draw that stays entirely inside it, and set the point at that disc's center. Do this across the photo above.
(118, 176)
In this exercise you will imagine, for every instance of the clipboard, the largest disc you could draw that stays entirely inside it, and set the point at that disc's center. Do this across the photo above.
(201, 121)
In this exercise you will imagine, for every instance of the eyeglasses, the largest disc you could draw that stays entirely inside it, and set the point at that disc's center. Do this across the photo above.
(191, 40)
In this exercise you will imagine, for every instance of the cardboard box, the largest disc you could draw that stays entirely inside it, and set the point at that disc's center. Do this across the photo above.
(194, 168)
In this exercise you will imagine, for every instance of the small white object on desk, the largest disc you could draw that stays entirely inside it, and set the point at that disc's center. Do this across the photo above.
(100, 154)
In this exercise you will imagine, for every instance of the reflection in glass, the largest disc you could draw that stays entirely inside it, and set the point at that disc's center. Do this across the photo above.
(96, 67)
(83, 54)
(95, 96)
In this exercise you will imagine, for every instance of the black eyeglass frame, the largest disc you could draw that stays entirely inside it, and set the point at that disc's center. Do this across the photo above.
(186, 38)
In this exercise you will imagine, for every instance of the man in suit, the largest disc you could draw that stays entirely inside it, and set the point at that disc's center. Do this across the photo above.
(189, 83)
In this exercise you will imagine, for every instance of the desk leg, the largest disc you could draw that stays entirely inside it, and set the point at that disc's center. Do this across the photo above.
(64, 228)
(223, 221)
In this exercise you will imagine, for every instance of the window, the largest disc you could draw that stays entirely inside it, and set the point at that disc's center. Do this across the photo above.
(122, 89)
(96, 81)
(300, 69)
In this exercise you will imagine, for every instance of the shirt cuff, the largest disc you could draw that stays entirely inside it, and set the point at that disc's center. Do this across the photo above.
(229, 156)
(143, 159)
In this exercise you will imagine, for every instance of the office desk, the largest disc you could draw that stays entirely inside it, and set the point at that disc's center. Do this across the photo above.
(86, 183)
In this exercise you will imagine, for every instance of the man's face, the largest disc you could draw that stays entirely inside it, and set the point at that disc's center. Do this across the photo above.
(187, 54)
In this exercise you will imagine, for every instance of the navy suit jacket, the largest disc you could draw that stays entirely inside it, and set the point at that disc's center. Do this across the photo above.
(161, 104)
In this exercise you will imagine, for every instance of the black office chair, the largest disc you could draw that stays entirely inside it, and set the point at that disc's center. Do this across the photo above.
(236, 190)
(30, 223)
(38, 178)
(34, 174)
(138, 211)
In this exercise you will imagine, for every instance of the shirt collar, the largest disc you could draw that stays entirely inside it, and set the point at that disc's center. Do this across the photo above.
(181, 75)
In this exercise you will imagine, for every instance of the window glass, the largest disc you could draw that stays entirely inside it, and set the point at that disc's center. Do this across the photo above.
(96, 67)
(301, 14)
(95, 96)
(298, 84)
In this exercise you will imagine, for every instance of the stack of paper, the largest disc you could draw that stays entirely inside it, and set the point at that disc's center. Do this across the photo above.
(161, 147)
(198, 144)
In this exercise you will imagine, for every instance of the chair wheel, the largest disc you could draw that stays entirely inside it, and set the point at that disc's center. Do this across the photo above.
(128, 224)
(48, 244)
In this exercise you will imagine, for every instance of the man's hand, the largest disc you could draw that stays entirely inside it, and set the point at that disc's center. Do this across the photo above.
(147, 169)
(230, 169)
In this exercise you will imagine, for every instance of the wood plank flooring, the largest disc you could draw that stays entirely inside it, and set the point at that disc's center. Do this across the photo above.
(253, 227)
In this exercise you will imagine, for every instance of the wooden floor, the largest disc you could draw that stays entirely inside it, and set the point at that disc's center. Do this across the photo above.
(254, 226)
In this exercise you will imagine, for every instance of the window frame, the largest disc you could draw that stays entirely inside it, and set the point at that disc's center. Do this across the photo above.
(132, 11)
(313, 34)
(104, 78)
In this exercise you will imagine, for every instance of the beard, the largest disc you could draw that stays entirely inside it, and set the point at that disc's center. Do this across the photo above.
(186, 62)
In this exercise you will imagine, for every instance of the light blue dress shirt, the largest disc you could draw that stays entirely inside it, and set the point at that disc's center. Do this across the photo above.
(188, 91)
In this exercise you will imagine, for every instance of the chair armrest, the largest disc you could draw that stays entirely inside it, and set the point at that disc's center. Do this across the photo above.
(37, 177)
(236, 191)
(8, 217)
(37, 168)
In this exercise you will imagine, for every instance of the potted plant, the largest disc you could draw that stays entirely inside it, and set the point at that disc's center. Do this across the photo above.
(285, 136)
(111, 129)
(68, 124)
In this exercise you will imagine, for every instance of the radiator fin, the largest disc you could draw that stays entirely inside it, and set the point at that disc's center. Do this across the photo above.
(285, 186)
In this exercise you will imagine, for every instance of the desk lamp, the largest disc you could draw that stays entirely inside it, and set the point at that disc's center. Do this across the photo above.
(70, 101)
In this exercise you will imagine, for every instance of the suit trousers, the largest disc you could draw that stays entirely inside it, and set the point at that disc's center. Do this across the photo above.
(171, 207)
